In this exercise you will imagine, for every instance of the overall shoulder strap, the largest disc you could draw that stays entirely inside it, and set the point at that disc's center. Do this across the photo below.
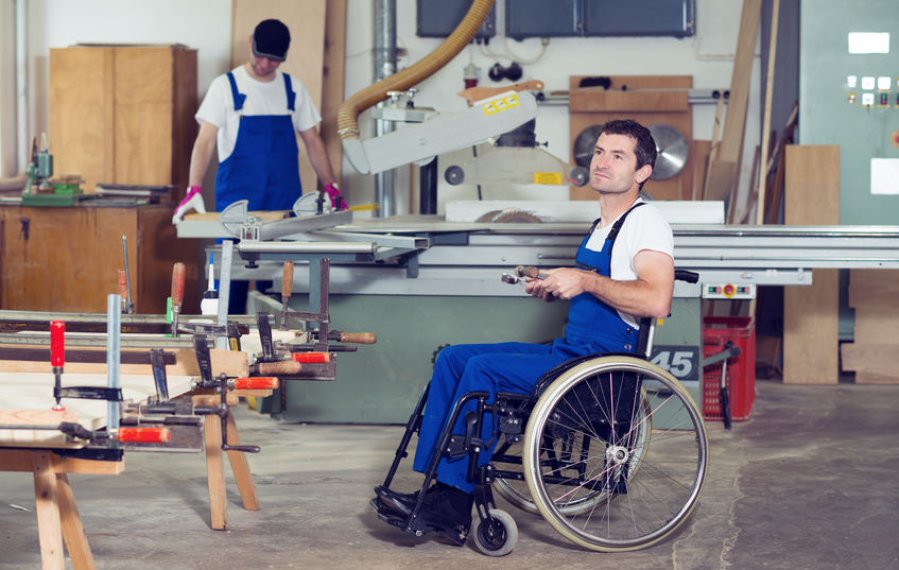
(238, 97)
(616, 227)
(291, 95)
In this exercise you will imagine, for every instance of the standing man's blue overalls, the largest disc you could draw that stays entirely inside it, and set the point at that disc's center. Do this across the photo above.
(263, 168)
(593, 327)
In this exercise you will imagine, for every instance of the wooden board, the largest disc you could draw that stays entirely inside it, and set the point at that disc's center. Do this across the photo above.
(229, 362)
(873, 363)
(34, 391)
(82, 109)
(306, 21)
(333, 86)
(699, 156)
(649, 100)
(811, 314)
(123, 114)
(873, 288)
(877, 324)
(723, 180)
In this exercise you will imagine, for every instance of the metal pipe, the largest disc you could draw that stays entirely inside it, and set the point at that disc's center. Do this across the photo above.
(113, 357)
(22, 129)
(385, 66)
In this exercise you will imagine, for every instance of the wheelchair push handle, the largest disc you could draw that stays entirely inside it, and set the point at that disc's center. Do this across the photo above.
(684, 275)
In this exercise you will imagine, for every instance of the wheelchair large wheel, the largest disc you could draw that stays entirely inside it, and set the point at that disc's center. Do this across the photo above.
(514, 489)
(607, 404)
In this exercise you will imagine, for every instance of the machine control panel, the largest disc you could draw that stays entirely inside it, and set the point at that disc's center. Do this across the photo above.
(728, 291)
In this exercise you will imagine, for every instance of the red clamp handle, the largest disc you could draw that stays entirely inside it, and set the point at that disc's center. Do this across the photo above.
(256, 383)
(57, 344)
(311, 357)
(144, 435)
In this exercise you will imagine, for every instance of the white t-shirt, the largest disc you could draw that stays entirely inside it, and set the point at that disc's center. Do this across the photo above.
(262, 99)
(645, 228)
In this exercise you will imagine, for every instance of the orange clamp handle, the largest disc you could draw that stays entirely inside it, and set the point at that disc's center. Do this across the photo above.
(311, 357)
(357, 337)
(123, 284)
(287, 280)
(178, 271)
(57, 344)
(144, 435)
(282, 367)
(256, 383)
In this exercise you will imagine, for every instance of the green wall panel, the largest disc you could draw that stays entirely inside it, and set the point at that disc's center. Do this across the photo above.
(825, 114)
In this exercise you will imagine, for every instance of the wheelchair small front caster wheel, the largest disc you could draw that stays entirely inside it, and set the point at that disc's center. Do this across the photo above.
(497, 536)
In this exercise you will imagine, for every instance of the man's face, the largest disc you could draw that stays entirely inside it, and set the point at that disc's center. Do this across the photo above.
(613, 168)
(263, 67)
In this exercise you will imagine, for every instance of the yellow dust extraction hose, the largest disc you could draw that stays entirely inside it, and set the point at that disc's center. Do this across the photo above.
(347, 117)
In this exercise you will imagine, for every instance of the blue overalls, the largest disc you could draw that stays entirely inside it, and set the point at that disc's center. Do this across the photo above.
(593, 327)
(263, 168)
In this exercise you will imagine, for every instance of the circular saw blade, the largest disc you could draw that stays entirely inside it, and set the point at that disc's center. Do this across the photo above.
(584, 145)
(673, 151)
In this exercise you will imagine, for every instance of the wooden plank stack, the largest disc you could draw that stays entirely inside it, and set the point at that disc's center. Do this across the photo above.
(874, 356)
(811, 314)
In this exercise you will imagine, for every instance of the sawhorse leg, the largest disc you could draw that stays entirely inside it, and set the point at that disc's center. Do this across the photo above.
(58, 517)
(215, 471)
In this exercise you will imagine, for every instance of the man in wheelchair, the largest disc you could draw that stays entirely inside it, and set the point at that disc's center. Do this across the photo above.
(609, 291)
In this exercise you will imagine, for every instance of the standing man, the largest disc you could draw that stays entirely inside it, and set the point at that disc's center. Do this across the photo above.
(625, 271)
(252, 114)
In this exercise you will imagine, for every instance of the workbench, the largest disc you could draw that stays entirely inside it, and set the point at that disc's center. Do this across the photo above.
(65, 259)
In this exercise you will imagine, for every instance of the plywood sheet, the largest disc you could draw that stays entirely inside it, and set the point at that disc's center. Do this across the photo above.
(879, 362)
(305, 60)
(811, 314)
(82, 110)
(333, 86)
(873, 287)
(144, 83)
(877, 324)
(34, 391)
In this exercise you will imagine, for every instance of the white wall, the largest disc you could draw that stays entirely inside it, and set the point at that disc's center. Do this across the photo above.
(201, 24)
(206, 25)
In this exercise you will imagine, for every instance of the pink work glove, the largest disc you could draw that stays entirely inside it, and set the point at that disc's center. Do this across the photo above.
(333, 192)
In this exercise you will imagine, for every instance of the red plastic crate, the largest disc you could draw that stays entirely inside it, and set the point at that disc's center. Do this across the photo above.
(740, 370)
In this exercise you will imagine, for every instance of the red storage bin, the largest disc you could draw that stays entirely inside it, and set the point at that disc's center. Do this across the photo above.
(740, 370)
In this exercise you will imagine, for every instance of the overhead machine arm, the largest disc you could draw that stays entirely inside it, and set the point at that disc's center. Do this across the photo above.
(484, 119)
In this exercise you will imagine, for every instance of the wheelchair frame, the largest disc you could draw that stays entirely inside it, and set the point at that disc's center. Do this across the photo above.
(599, 483)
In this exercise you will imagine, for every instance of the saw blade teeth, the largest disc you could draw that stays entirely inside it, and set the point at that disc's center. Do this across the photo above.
(516, 217)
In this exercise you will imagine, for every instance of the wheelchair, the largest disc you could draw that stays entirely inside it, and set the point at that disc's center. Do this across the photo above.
(610, 449)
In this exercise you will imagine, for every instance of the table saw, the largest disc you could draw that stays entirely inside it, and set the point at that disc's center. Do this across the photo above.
(420, 282)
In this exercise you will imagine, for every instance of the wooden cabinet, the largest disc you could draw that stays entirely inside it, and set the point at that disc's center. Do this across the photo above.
(123, 114)
(67, 259)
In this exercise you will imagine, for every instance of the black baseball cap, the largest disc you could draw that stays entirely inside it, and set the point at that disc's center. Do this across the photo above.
(271, 38)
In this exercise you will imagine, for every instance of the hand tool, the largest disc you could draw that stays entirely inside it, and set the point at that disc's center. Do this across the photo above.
(286, 289)
(57, 359)
(178, 271)
(127, 299)
(521, 272)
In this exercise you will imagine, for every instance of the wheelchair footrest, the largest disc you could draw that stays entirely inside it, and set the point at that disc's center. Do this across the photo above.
(417, 527)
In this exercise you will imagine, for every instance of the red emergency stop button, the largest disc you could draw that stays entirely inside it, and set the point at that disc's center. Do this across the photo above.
(729, 290)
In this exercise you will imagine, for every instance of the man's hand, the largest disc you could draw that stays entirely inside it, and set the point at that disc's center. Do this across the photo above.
(565, 283)
(333, 192)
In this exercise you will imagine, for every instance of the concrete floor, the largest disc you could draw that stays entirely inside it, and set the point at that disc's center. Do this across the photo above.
(811, 481)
